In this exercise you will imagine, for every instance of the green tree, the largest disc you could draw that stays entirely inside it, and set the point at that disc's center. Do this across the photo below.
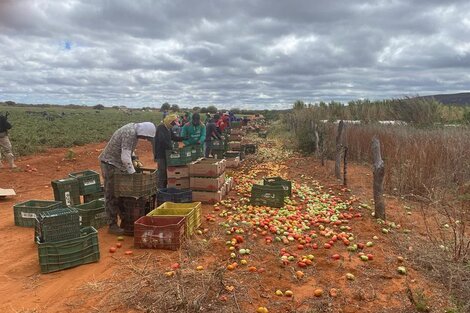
(165, 107)
(211, 109)
(298, 105)
(98, 107)
(175, 108)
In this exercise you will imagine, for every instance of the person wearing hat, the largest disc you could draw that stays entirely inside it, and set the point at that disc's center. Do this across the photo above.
(117, 158)
(163, 141)
(194, 132)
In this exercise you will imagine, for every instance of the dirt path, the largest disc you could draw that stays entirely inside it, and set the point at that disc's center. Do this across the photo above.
(378, 288)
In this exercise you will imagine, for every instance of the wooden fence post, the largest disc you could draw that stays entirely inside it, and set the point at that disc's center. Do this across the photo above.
(339, 149)
(345, 166)
(379, 172)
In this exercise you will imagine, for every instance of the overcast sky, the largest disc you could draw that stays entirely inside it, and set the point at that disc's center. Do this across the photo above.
(228, 53)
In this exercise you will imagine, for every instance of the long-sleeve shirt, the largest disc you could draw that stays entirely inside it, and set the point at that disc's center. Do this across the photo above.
(212, 131)
(162, 142)
(193, 134)
(118, 151)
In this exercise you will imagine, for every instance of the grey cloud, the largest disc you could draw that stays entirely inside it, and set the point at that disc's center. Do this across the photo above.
(237, 54)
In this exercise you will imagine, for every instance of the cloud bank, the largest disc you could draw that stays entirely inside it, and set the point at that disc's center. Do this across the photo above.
(246, 54)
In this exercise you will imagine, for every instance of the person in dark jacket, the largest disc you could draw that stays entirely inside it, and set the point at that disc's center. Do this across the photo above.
(163, 142)
(211, 133)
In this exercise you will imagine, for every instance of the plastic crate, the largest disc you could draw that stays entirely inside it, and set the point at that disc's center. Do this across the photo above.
(25, 213)
(286, 184)
(66, 190)
(250, 148)
(192, 212)
(179, 156)
(156, 232)
(92, 213)
(57, 225)
(132, 209)
(219, 145)
(94, 196)
(88, 181)
(135, 185)
(272, 196)
(56, 256)
(234, 154)
(174, 195)
(196, 152)
(236, 124)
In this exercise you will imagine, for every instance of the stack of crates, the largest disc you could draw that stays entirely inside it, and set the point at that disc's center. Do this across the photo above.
(62, 243)
(89, 185)
(136, 196)
(207, 180)
(192, 212)
(177, 161)
(178, 177)
(235, 140)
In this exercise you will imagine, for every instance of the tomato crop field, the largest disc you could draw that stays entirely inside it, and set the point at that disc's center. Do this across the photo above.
(37, 128)
(323, 251)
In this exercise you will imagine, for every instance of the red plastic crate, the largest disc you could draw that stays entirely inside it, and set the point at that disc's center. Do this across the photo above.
(159, 232)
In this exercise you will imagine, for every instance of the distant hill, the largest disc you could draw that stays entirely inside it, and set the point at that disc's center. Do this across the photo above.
(462, 99)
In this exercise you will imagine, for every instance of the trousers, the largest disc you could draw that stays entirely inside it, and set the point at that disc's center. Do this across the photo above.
(111, 202)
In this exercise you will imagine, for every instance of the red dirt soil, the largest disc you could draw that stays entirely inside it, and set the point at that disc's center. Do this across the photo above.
(378, 287)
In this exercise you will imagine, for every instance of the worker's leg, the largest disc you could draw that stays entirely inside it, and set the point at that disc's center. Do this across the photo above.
(111, 201)
(5, 144)
(162, 180)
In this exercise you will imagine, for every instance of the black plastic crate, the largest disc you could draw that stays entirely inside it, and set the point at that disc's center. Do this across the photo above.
(286, 184)
(272, 196)
(56, 256)
(57, 225)
(88, 180)
(66, 190)
(132, 209)
(174, 195)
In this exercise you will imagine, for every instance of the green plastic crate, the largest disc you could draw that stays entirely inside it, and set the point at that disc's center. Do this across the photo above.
(25, 213)
(196, 152)
(94, 196)
(66, 190)
(179, 156)
(286, 184)
(57, 225)
(88, 181)
(235, 124)
(272, 196)
(56, 256)
(92, 214)
(192, 211)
